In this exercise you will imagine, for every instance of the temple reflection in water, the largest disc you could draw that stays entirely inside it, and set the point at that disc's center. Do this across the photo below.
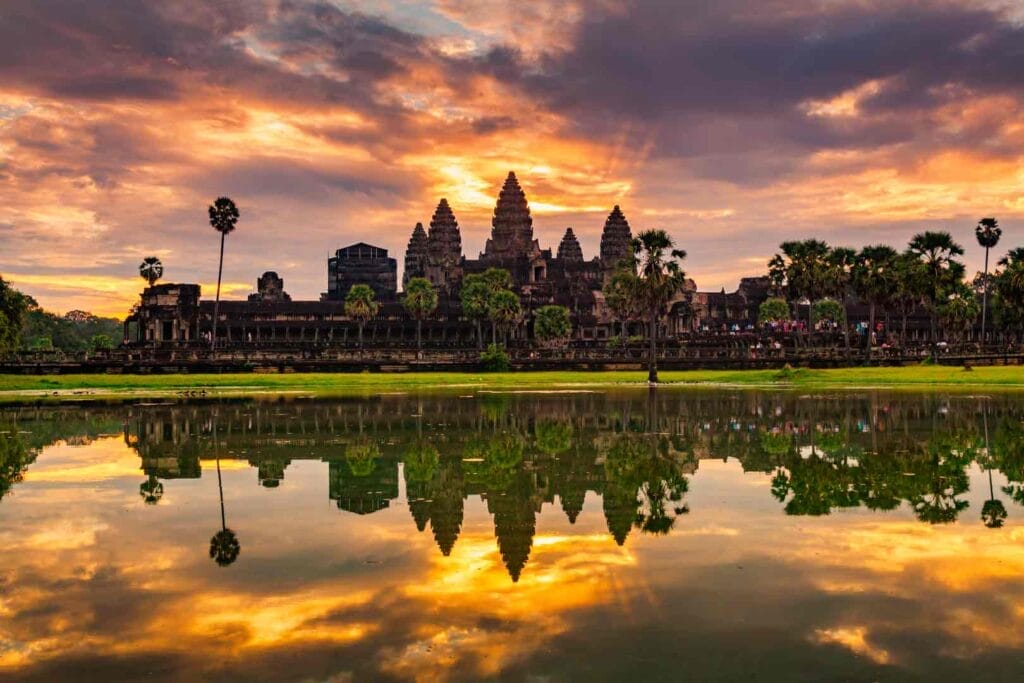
(724, 535)
(520, 452)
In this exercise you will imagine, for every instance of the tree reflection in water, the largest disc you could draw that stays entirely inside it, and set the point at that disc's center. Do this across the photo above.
(224, 546)
(636, 452)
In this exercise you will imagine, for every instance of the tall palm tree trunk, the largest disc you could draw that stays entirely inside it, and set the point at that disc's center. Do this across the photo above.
(652, 363)
(846, 331)
(984, 300)
(360, 335)
(216, 301)
(494, 333)
(220, 483)
(419, 334)
(935, 334)
(871, 329)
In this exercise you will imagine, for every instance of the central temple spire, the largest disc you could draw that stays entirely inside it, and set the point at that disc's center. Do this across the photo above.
(512, 225)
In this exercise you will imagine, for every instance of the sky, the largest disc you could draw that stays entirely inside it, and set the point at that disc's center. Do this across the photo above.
(731, 124)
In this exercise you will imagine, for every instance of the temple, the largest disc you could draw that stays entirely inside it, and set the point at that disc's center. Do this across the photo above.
(174, 313)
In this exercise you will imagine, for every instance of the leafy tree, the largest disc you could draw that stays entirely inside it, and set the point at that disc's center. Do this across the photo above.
(827, 310)
(420, 301)
(987, 233)
(875, 278)
(361, 305)
(223, 218)
(151, 269)
(73, 332)
(959, 309)
(623, 299)
(937, 253)
(475, 295)
(1008, 284)
(661, 278)
(504, 310)
(14, 307)
(552, 325)
(773, 310)
(15, 458)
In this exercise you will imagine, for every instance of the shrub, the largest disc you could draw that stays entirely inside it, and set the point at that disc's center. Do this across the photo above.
(101, 342)
(495, 359)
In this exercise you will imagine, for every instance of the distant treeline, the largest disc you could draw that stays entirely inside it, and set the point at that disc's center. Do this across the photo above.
(24, 326)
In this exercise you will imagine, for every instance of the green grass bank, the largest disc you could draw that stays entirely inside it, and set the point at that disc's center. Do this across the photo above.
(16, 388)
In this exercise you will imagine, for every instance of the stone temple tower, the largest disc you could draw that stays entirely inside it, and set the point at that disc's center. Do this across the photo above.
(512, 225)
(616, 240)
(415, 255)
(569, 248)
(444, 248)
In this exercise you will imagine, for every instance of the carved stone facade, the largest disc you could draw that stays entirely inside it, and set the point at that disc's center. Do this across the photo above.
(444, 249)
(616, 240)
(270, 287)
(361, 264)
(569, 248)
(415, 256)
(173, 312)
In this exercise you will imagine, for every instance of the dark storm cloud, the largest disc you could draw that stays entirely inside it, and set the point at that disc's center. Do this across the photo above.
(715, 66)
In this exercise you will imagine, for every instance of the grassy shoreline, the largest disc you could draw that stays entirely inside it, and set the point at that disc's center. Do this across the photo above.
(22, 388)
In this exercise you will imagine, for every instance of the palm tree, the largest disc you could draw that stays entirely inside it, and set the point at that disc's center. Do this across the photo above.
(361, 305)
(874, 278)
(151, 490)
(223, 218)
(661, 278)
(988, 233)
(800, 271)
(224, 545)
(474, 296)
(839, 276)
(552, 325)
(504, 310)
(420, 301)
(151, 269)
(937, 251)
(908, 291)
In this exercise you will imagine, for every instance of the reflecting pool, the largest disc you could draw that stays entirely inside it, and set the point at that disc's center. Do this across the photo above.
(676, 535)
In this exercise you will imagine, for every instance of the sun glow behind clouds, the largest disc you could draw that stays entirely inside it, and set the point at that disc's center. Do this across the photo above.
(349, 121)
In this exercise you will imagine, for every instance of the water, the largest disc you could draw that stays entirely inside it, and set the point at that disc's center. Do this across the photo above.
(698, 535)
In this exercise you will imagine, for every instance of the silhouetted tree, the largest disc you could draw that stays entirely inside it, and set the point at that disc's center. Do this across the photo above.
(420, 301)
(361, 305)
(987, 233)
(937, 253)
(661, 278)
(151, 269)
(223, 218)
